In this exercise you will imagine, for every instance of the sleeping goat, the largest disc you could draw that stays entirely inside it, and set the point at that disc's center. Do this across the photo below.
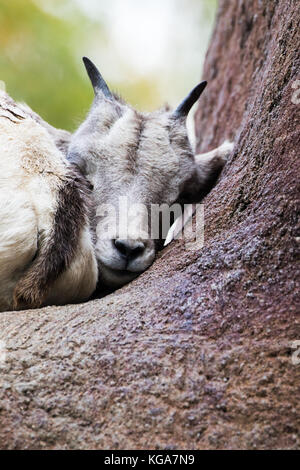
(54, 243)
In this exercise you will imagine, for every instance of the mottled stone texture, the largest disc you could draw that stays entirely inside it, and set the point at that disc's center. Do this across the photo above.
(196, 353)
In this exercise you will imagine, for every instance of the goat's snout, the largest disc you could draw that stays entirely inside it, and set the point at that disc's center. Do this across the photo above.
(130, 249)
(122, 259)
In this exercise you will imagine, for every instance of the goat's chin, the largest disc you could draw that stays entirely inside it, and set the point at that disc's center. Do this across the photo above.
(115, 278)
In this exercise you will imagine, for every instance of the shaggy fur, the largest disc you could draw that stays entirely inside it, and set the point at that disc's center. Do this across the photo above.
(44, 230)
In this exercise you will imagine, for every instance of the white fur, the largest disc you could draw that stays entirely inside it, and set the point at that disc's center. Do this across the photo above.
(32, 170)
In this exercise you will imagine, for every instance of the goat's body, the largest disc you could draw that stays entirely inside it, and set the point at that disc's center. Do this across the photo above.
(34, 176)
(18, 241)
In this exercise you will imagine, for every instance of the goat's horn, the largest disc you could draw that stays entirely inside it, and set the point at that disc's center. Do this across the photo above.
(184, 108)
(96, 78)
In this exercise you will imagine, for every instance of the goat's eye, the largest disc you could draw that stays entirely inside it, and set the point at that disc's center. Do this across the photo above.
(91, 186)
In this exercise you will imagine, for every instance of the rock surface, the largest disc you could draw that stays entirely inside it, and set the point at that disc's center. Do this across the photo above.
(197, 353)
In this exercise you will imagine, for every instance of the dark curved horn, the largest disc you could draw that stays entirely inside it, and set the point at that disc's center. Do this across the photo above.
(184, 108)
(96, 78)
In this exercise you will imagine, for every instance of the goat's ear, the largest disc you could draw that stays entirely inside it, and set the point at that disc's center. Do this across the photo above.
(197, 187)
(98, 82)
(208, 167)
(192, 191)
(77, 159)
(185, 106)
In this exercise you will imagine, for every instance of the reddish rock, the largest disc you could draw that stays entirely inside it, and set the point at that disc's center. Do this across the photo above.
(197, 353)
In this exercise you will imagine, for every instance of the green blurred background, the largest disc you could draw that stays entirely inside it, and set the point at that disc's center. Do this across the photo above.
(149, 51)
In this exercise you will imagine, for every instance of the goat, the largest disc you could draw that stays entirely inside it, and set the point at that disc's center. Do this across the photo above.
(143, 157)
(54, 243)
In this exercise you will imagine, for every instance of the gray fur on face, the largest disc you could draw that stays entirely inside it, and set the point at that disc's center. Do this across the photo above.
(145, 157)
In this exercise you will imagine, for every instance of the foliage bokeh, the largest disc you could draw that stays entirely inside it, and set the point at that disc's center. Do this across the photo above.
(40, 62)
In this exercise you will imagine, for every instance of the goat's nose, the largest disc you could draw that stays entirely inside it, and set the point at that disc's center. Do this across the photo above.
(130, 249)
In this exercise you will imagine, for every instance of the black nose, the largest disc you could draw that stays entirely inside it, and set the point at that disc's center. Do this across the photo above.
(130, 249)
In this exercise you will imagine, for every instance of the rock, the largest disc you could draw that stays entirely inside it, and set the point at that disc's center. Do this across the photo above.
(197, 352)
